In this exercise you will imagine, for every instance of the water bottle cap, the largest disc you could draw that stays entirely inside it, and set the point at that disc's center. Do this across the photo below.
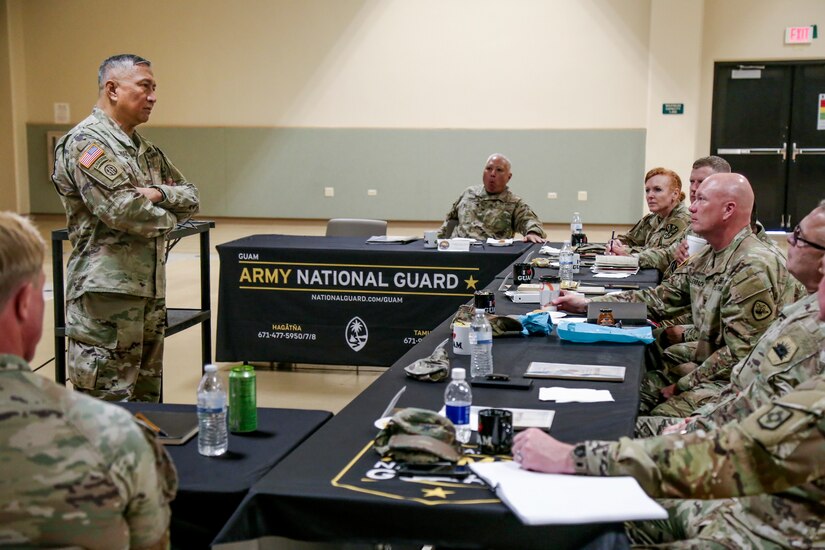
(459, 373)
(210, 368)
(479, 311)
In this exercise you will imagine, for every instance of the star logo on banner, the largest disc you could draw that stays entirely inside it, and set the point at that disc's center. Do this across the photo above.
(437, 492)
(471, 283)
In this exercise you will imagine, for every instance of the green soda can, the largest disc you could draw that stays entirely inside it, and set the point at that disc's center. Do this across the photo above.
(243, 404)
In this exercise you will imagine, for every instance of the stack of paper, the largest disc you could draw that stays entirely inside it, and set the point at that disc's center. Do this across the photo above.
(574, 395)
(616, 264)
(551, 499)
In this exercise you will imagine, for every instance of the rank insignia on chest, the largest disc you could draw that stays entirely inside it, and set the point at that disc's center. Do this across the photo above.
(774, 418)
(761, 310)
(782, 351)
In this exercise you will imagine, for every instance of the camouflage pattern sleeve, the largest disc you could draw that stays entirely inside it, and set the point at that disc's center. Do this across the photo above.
(452, 215)
(138, 465)
(155, 485)
(664, 233)
(669, 299)
(747, 310)
(637, 236)
(777, 447)
(691, 334)
(180, 197)
(525, 220)
(108, 190)
(791, 352)
(659, 258)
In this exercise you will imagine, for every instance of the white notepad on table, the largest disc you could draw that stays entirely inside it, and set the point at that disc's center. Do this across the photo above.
(557, 499)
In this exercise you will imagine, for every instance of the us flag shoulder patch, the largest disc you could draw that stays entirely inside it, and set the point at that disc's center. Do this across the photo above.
(90, 155)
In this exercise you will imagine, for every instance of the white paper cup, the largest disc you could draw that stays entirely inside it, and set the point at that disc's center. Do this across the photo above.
(695, 244)
(461, 339)
(547, 294)
(430, 239)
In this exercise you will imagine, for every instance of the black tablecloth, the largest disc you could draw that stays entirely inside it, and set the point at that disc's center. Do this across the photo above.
(210, 488)
(334, 487)
(338, 300)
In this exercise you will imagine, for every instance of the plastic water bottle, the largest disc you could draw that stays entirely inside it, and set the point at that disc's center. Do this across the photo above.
(576, 227)
(577, 236)
(481, 346)
(566, 264)
(457, 400)
(213, 439)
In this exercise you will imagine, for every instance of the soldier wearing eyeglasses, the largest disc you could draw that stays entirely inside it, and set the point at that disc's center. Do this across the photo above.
(788, 354)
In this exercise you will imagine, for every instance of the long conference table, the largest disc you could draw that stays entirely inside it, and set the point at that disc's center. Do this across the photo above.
(335, 488)
(339, 300)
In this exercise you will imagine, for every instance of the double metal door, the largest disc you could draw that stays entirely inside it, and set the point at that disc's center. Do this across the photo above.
(769, 123)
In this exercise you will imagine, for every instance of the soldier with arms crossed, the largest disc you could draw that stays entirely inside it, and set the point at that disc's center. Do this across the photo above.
(122, 196)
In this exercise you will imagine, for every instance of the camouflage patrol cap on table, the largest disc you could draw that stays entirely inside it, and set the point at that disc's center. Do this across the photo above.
(502, 325)
(433, 368)
(418, 436)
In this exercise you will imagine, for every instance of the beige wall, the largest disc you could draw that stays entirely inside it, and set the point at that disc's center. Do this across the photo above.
(14, 173)
(429, 64)
(358, 63)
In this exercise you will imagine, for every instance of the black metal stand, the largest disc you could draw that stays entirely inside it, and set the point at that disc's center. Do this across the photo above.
(177, 319)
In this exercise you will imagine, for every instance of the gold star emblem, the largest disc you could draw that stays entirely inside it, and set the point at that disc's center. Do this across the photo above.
(437, 492)
(471, 283)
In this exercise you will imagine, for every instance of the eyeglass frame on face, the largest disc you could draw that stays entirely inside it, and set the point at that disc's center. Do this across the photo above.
(795, 237)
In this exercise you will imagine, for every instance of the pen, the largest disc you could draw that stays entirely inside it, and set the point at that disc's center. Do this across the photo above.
(154, 427)
(612, 236)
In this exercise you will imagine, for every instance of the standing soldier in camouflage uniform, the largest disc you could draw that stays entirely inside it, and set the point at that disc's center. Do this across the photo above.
(122, 196)
(492, 210)
(76, 472)
(786, 355)
(734, 289)
(768, 468)
(664, 226)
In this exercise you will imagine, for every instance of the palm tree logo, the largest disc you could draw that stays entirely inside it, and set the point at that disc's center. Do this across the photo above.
(356, 334)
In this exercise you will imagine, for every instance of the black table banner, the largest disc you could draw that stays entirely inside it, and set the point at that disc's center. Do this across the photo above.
(337, 300)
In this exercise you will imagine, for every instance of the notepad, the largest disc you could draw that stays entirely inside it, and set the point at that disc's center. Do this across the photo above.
(572, 371)
(175, 428)
(392, 239)
(554, 499)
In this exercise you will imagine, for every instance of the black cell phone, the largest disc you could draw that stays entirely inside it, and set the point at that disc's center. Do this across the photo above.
(502, 381)
(446, 469)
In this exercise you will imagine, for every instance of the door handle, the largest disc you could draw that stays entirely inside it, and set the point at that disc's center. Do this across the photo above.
(806, 151)
(782, 151)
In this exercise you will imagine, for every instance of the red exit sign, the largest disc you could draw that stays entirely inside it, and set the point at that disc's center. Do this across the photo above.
(799, 35)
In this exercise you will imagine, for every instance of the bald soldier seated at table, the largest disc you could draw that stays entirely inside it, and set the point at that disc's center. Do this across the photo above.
(734, 289)
(491, 210)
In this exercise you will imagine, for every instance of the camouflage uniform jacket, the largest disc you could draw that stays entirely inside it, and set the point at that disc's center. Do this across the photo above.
(76, 472)
(653, 233)
(788, 354)
(481, 215)
(117, 234)
(669, 254)
(773, 461)
(733, 295)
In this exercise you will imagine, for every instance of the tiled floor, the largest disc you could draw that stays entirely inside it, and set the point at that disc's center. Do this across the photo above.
(307, 386)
